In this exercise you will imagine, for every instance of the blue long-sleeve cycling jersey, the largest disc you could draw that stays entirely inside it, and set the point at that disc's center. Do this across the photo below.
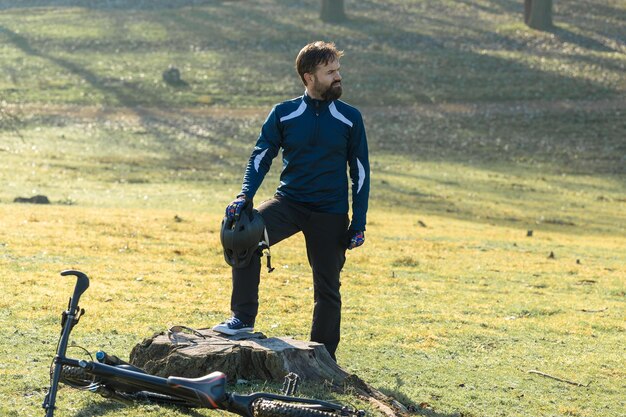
(319, 141)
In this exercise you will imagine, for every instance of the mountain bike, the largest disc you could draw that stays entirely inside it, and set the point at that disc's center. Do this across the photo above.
(118, 380)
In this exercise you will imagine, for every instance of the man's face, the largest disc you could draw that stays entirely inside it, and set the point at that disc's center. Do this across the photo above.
(327, 81)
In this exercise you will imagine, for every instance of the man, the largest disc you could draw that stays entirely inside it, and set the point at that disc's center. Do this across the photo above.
(320, 136)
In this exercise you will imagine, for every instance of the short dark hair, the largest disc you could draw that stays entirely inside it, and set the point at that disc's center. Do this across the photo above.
(314, 54)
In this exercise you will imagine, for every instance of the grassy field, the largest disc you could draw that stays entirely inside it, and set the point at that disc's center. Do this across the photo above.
(241, 53)
(479, 130)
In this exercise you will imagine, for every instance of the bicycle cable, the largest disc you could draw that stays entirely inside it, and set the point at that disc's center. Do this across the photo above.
(86, 384)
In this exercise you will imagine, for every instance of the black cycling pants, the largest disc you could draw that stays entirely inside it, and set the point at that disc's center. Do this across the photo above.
(326, 244)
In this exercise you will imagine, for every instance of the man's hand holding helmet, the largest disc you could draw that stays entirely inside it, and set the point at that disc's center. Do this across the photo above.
(233, 210)
(241, 233)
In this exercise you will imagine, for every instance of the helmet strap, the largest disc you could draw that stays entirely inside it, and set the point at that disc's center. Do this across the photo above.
(265, 248)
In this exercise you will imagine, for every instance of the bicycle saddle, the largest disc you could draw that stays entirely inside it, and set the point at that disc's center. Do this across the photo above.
(210, 389)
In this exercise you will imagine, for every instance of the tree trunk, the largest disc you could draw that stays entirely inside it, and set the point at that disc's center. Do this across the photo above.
(333, 11)
(538, 14)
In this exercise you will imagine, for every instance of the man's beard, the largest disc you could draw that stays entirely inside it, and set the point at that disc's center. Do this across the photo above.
(333, 92)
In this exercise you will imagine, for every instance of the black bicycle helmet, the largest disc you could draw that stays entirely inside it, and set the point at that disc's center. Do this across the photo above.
(241, 237)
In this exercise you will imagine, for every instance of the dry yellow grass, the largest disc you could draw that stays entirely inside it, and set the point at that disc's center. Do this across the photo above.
(443, 314)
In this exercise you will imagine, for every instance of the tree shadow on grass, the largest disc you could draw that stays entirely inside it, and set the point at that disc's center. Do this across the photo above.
(401, 63)
(582, 41)
(108, 4)
(126, 95)
(406, 63)
(576, 13)
(422, 409)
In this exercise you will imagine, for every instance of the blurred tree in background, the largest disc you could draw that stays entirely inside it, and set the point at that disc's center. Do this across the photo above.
(9, 120)
(333, 11)
(538, 14)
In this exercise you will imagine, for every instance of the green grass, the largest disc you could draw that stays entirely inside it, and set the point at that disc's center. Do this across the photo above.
(405, 52)
(479, 129)
(482, 301)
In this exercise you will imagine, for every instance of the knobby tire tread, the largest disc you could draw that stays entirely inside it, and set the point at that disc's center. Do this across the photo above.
(269, 408)
(75, 376)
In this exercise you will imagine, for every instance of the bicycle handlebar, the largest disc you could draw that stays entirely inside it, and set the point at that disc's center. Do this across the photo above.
(82, 283)
(69, 320)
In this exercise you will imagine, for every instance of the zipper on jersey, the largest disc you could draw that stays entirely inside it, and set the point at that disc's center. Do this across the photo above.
(314, 140)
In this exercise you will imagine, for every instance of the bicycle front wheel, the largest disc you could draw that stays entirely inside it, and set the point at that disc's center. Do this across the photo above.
(271, 408)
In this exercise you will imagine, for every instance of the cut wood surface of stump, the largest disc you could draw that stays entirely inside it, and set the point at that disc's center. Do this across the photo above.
(251, 356)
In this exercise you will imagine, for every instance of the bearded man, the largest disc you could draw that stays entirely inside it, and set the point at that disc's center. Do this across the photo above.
(322, 141)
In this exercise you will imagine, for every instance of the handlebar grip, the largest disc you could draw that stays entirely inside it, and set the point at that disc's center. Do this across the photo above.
(82, 283)
(107, 359)
(75, 273)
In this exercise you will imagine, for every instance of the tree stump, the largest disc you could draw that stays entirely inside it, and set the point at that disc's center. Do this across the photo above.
(252, 356)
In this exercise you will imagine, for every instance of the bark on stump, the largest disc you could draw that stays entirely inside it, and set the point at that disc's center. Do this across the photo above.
(252, 357)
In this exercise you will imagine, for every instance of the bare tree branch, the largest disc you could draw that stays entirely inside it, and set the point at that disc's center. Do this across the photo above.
(10, 120)
(578, 384)
(584, 310)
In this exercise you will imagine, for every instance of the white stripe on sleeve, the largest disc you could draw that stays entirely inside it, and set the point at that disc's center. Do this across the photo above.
(257, 160)
(361, 175)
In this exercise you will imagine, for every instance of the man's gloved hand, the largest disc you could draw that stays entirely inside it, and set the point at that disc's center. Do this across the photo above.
(234, 208)
(356, 238)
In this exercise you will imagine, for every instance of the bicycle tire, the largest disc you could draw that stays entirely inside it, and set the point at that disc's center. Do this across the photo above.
(75, 376)
(271, 408)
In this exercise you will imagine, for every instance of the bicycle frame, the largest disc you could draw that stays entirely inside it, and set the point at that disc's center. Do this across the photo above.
(204, 392)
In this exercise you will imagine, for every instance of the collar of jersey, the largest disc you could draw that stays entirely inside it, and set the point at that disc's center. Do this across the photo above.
(316, 104)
